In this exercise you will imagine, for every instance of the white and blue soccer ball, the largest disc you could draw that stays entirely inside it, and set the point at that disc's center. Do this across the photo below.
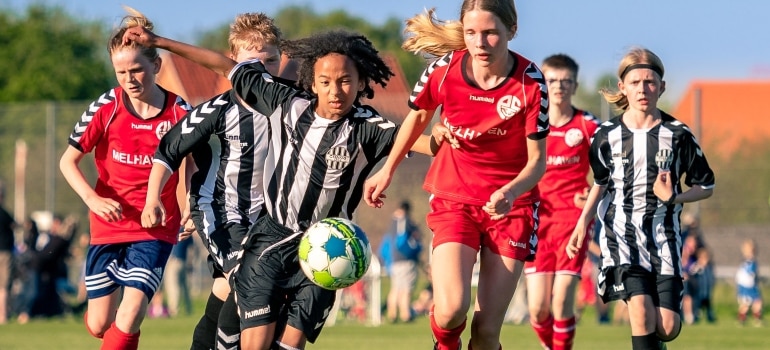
(334, 253)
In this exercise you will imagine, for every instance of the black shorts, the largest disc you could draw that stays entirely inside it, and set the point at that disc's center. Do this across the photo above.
(623, 282)
(224, 244)
(271, 287)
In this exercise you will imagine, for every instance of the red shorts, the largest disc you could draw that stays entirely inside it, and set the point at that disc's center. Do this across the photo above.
(512, 236)
(551, 254)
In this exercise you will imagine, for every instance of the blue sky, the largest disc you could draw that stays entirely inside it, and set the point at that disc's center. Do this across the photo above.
(704, 39)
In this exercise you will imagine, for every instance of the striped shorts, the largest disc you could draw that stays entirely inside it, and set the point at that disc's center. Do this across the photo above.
(138, 265)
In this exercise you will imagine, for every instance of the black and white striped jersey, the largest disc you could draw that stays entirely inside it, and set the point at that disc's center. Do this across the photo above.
(228, 142)
(638, 229)
(315, 167)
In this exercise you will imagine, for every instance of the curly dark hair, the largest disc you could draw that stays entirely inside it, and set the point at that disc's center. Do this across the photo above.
(370, 66)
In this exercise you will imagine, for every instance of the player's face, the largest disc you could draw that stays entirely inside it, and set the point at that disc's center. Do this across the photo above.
(135, 73)
(561, 85)
(336, 83)
(486, 37)
(643, 88)
(268, 54)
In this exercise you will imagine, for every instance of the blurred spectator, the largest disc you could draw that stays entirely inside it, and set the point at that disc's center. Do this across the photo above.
(49, 263)
(176, 288)
(702, 277)
(7, 224)
(689, 248)
(400, 250)
(747, 281)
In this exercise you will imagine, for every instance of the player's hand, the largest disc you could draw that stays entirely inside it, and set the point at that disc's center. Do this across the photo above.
(576, 240)
(580, 198)
(153, 214)
(141, 36)
(441, 133)
(374, 188)
(108, 209)
(663, 187)
(499, 205)
(188, 227)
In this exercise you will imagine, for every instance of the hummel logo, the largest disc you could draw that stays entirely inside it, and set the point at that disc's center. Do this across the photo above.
(618, 287)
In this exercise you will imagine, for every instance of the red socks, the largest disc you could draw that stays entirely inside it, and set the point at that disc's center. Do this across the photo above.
(544, 331)
(447, 339)
(115, 339)
(563, 334)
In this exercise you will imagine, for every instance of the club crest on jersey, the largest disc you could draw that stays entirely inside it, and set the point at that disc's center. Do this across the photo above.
(663, 159)
(573, 137)
(162, 128)
(337, 158)
(508, 106)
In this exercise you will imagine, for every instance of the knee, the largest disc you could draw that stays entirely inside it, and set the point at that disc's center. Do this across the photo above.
(539, 313)
(669, 330)
(448, 319)
(95, 327)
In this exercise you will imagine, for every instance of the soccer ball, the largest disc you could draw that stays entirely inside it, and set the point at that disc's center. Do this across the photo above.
(334, 253)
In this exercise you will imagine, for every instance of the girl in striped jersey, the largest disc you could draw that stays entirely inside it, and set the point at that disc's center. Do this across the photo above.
(323, 144)
(123, 129)
(638, 160)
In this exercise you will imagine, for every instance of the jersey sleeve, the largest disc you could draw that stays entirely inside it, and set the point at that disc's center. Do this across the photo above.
(196, 126)
(597, 157)
(425, 94)
(537, 125)
(258, 88)
(89, 129)
(698, 172)
(377, 134)
(591, 122)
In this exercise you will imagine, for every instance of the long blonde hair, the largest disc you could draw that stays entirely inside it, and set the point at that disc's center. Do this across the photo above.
(635, 56)
(133, 19)
(428, 34)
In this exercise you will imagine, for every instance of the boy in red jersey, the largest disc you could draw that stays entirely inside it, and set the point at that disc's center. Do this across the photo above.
(123, 129)
(552, 277)
(494, 102)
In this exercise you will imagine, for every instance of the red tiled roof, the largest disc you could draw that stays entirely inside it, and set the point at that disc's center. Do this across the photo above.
(391, 101)
(732, 112)
(190, 80)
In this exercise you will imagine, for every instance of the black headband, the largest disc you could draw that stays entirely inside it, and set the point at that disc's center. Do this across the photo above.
(631, 67)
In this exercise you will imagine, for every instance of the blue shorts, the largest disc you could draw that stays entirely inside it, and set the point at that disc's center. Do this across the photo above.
(137, 265)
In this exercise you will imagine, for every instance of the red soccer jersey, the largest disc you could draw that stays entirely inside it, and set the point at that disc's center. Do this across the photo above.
(123, 146)
(566, 167)
(492, 127)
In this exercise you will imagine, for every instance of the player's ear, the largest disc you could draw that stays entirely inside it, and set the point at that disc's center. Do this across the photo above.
(157, 64)
(662, 87)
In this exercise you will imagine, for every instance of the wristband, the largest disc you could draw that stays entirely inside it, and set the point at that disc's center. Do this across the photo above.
(434, 146)
(670, 201)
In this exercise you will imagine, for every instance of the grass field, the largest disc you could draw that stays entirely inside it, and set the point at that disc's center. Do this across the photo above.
(68, 333)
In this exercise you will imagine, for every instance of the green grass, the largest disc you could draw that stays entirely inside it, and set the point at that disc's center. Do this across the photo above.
(69, 333)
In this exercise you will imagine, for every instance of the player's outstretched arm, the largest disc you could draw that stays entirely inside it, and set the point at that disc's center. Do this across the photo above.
(213, 60)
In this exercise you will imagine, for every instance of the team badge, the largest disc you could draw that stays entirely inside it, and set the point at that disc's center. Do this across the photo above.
(162, 129)
(508, 106)
(337, 158)
(573, 137)
(663, 159)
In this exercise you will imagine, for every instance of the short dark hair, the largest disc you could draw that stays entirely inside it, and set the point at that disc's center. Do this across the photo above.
(561, 61)
(405, 206)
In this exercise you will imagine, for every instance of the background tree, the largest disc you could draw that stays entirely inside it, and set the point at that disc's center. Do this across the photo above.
(49, 55)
